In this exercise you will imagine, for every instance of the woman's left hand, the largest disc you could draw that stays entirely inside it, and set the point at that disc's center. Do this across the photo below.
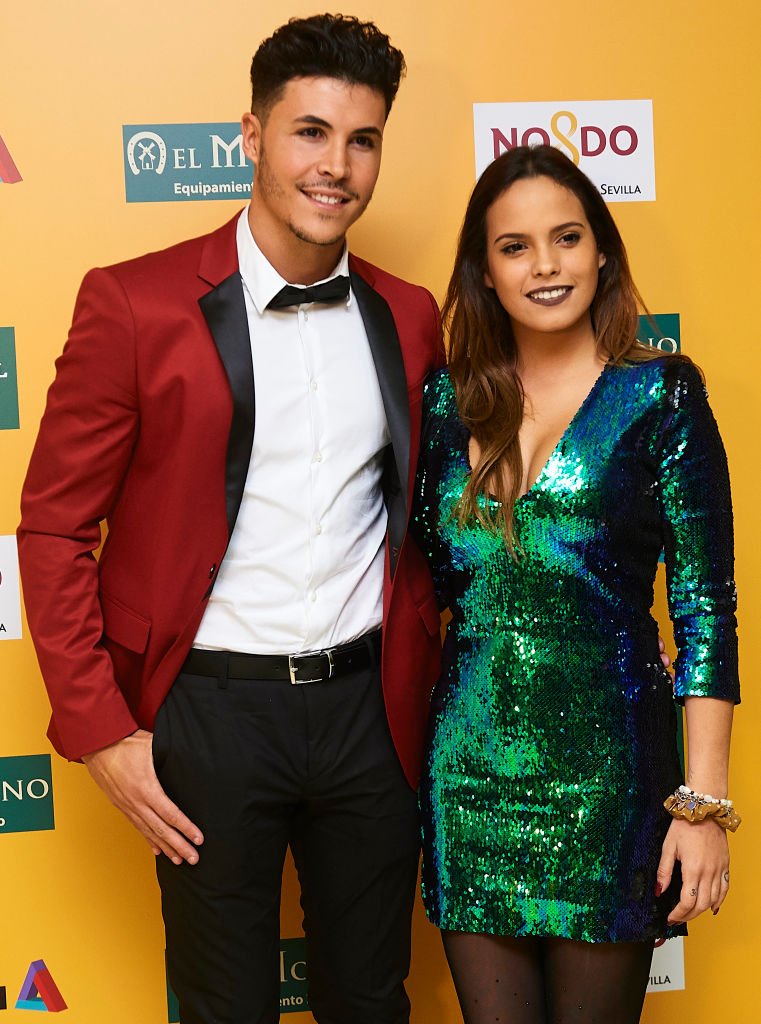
(703, 852)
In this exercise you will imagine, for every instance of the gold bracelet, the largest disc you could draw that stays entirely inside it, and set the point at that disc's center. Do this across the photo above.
(686, 803)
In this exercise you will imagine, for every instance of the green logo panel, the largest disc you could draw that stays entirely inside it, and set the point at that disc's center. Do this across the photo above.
(293, 976)
(8, 381)
(293, 981)
(184, 162)
(661, 331)
(26, 794)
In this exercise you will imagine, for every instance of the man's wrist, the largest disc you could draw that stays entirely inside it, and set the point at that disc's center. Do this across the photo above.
(94, 753)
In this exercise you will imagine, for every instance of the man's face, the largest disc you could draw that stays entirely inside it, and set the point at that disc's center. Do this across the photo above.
(317, 157)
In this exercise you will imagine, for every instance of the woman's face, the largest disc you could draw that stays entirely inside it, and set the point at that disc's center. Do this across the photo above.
(542, 257)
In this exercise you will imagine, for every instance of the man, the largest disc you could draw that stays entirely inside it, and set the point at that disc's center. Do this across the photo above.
(252, 449)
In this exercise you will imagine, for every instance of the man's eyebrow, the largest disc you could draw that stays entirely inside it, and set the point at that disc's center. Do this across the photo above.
(322, 123)
(311, 119)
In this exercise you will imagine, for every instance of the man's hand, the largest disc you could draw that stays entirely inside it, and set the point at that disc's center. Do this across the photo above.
(125, 773)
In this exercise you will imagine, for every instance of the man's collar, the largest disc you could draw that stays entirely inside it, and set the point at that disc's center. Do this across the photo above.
(260, 278)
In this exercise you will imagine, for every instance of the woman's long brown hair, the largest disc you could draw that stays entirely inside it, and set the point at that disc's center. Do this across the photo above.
(482, 350)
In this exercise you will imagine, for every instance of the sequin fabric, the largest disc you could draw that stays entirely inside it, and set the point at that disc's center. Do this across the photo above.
(553, 730)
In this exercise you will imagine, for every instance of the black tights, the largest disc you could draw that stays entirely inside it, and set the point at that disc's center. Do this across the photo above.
(547, 981)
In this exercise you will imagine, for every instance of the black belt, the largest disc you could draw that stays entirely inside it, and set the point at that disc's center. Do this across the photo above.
(314, 667)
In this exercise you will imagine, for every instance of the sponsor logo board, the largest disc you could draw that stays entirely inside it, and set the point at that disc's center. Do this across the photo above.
(293, 981)
(39, 991)
(185, 162)
(10, 600)
(9, 174)
(26, 794)
(610, 140)
(293, 976)
(8, 380)
(667, 967)
(661, 331)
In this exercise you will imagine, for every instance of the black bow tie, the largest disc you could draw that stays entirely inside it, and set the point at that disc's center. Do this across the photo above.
(334, 290)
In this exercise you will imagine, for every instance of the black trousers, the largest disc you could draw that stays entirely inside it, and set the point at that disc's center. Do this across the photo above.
(261, 765)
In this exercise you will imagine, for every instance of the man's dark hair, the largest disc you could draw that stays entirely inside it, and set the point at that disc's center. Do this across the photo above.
(329, 46)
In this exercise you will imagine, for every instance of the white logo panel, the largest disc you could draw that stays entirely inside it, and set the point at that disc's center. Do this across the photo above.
(610, 140)
(10, 604)
(667, 967)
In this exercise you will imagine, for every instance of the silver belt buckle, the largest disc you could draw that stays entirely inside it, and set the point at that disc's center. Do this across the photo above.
(293, 667)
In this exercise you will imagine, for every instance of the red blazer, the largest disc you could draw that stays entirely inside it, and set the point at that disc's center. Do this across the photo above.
(149, 426)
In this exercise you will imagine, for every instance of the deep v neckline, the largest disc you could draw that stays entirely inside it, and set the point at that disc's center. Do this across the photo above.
(558, 445)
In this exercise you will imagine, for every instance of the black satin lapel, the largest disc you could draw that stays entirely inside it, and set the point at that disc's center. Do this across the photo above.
(225, 311)
(389, 365)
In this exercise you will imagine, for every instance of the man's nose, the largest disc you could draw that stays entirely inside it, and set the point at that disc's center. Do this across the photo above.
(334, 161)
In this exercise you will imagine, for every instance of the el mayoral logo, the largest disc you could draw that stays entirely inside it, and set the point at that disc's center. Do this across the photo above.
(185, 162)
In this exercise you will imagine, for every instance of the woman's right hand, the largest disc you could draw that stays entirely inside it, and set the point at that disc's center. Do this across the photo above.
(702, 849)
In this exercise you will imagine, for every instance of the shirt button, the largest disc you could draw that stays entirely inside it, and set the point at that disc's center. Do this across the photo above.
(318, 529)
(317, 457)
(313, 597)
(313, 385)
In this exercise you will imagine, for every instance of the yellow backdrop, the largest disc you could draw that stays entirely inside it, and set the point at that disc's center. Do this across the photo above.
(83, 896)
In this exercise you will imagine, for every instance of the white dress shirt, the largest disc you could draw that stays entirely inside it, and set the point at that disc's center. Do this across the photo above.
(304, 568)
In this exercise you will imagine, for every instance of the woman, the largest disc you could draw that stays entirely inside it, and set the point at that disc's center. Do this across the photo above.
(559, 458)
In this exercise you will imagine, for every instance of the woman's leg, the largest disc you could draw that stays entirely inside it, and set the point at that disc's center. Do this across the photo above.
(498, 980)
(595, 983)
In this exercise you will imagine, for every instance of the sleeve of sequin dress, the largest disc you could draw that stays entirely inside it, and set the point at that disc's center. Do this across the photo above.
(424, 522)
(698, 542)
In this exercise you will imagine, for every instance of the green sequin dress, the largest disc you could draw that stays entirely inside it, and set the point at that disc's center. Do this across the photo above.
(553, 730)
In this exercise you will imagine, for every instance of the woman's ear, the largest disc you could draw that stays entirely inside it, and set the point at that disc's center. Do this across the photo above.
(600, 260)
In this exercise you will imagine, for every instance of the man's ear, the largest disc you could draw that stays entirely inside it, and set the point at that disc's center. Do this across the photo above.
(251, 135)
